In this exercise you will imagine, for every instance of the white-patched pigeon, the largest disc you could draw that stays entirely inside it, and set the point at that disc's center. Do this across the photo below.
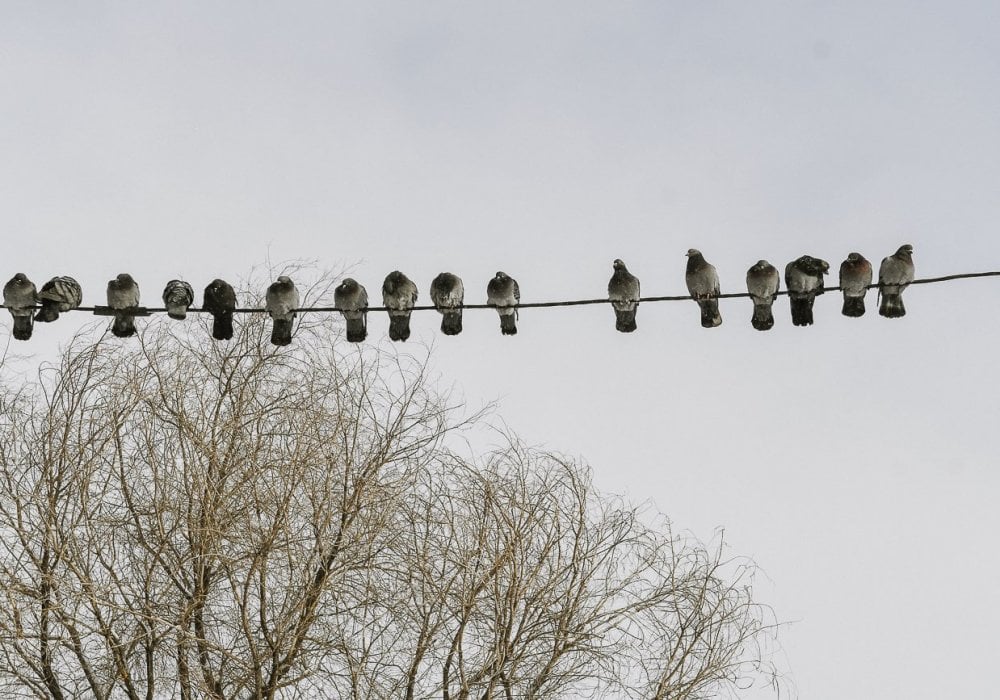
(57, 295)
(177, 297)
(123, 294)
(703, 284)
(623, 291)
(804, 280)
(503, 293)
(894, 275)
(220, 301)
(281, 301)
(763, 281)
(399, 294)
(351, 299)
(855, 276)
(19, 296)
(448, 294)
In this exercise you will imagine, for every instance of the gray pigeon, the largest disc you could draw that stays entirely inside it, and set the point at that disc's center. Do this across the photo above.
(763, 282)
(281, 300)
(703, 284)
(351, 299)
(855, 276)
(177, 297)
(57, 295)
(894, 275)
(804, 280)
(448, 294)
(503, 293)
(399, 294)
(220, 301)
(623, 291)
(123, 293)
(19, 296)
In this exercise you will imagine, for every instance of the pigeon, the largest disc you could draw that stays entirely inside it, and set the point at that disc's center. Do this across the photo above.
(177, 297)
(220, 301)
(399, 294)
(763, 282)
(57, 295)
(894, 275)
(703, 284)
(804, 280)
(351, 299)
(503, 293)
(281, 300)
(448, 293)
(623, 291)
(19, 296)
(123, 293)
(855, 276)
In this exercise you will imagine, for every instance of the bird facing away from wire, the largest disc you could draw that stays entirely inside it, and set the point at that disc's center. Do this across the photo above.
(351, 299)
(894, 275)
(855, 276)
(123, 294)
(763, 282)
(448, 294)
(57, 295)
(703, 284)
(503, 293)
(220, 301)
(19, 296)
(623, 291)
(280, 302)
(177, 297)
(399, 294)
(804, 280)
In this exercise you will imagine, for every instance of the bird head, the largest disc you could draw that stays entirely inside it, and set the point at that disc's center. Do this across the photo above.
(284, 279)
(854, 257)
(20, 278)
(501, 276)
(618, 264)
(692, 252)
(905, 249)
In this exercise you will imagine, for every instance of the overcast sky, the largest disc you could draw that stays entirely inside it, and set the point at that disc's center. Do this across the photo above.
(855, 460)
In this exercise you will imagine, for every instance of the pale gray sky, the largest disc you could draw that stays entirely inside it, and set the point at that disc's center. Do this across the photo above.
(855, 460)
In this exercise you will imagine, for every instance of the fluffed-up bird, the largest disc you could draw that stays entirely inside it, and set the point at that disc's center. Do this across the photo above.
(855, 276)
(19, 296)
(351, 299)
(57, 295)
(504, 293)
(123, 294)
(623, 291)
(220, 301)
(448, 294)
(281, 301)
(703, 284)
(399, 294)
(177, 297)
(894, 275)
(804, 280)
(763, 282)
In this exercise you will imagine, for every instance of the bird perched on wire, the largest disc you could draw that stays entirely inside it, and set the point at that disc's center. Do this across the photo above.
(177, 297)
(351, 299)
(703, 284)
(894, 275)
(855, 276)
(763, 281)
(503, 293)
(57, 295)
(220, 301)
(804, 280)
(448, 294)
(399, 294)
(19, 296)
(123, 294)
(623, 291)
(281, 301)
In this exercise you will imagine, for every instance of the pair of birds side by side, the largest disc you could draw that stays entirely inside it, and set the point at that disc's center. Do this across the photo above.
(21, 297)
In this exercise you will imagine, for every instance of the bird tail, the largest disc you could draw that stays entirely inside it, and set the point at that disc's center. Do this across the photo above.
(123, 326)
(451, 322)
(222, 326)
(625, 320)
(399, 327)
(356, 330)
(854, 306)
(281, 333)
(763, 317)
(23, 326)
(892, 305)
(710, 317)
(49, 311)
(508, 326)
(802, 310)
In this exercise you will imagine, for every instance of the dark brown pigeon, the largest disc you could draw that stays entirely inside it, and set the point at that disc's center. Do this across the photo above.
(220, 301)
(855, 276)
